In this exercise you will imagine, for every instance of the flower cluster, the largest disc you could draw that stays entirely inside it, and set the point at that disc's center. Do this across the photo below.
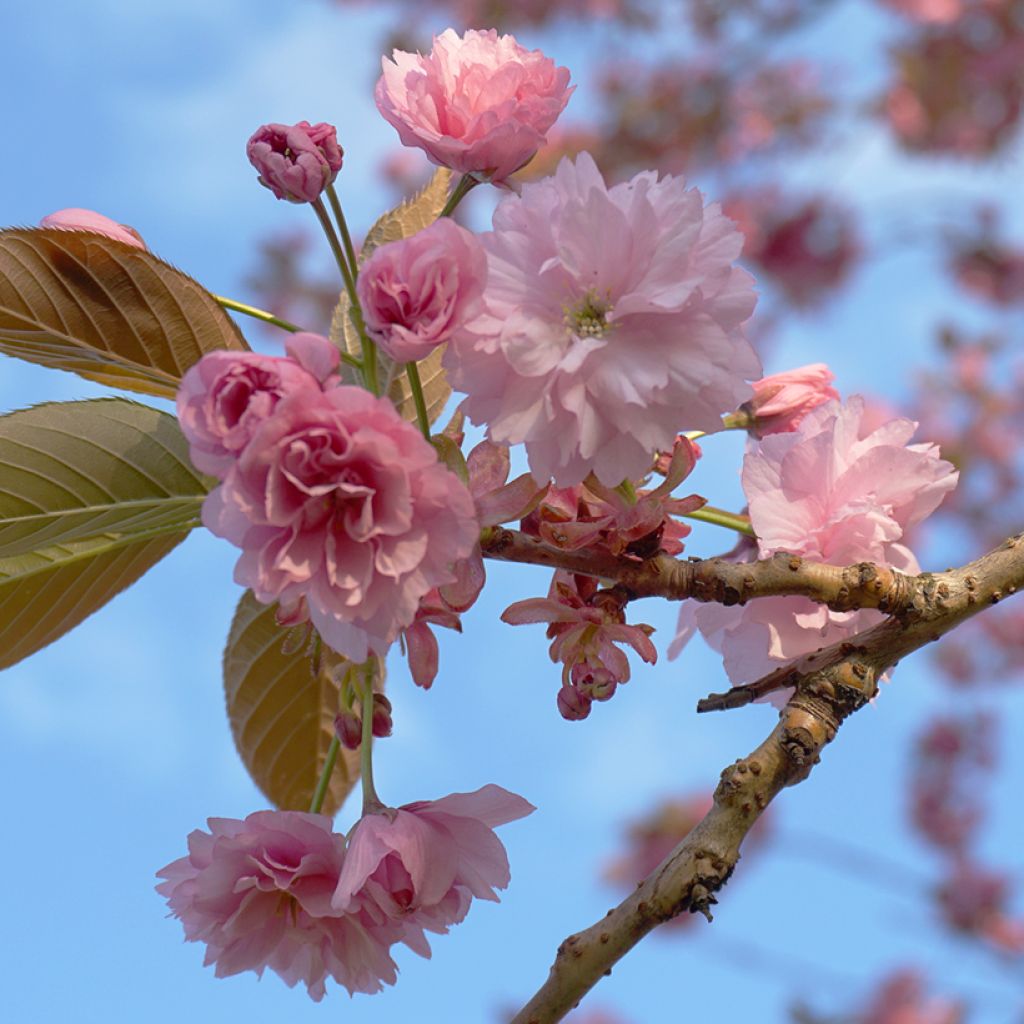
(331, 496)
(838, 489)
(282, 890)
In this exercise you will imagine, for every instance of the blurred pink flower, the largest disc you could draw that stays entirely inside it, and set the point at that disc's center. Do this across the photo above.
(902, 999)
(416, 291)
(613, 320)
(296, 162)
(420, 865)
(258, 893)
(338, 500)
(831, 491)
(973, 900)
(226, 396)
(478, 103)
(75, 219)
(782, 400)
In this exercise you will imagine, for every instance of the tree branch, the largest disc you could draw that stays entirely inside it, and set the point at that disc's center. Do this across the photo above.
(829, 687)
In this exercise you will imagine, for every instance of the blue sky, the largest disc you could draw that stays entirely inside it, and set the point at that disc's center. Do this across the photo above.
(113, 743)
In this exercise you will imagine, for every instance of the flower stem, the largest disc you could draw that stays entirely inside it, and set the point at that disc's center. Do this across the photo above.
(325, 777)
(369, 349)
(416, 386)
(466, 185)
(346, 238)
(371, 802)
(257, 314)
(719, 517)
(627, 491)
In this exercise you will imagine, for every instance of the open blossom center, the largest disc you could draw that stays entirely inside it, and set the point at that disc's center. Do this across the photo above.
(589, 317)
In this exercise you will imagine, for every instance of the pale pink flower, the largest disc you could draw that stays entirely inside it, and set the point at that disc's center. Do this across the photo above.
(902, 999)
(415, 292)
(258, 894)
(296, 162)
(75, 219)
(613, 320)
(782, 400)
(837, 490)
(338, 500)
(421, 865)
(226, 396)
(478, 103)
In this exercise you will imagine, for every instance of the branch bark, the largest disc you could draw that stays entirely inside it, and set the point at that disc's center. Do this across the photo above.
(829, 686)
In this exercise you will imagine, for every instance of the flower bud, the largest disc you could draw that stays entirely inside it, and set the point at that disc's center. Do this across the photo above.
(349, 730)
(381, 716)
(573, 706)
(594, 683)
(782, 400)
(74, 219)
(296, 162)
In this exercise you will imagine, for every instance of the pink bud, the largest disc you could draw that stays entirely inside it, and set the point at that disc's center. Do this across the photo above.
(594, 683)
(296, 162)
(74, 219)
(573, 706)
(782, 400)
(349, 730)
(381, 716)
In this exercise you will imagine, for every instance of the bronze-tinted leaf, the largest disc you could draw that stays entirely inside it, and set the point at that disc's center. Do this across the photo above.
(282, 712)
(410, 216)
(78, 301)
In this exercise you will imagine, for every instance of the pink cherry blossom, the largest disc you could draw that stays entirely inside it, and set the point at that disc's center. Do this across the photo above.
(296, 162)
(781, 400)
(420, 866)
(338, 500)
(478, 103)
(226, 396)
(416, 291)
(75, 219)
(613, 320)
(838, 490)
(258, 893)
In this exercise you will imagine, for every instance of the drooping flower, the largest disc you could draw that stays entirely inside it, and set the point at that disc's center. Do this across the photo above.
(75, 219)
(782, 400)
(338, 500)
(258, 894)
(415, 292)
(613, 319)
(296, 162)
(839, 489)
(421, 865)
(478, 103)
(585, 624)
(226, 396)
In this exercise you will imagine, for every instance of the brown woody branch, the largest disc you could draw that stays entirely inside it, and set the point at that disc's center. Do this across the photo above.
(829, 687)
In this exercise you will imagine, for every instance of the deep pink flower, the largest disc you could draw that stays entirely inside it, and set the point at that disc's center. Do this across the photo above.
(226, 396)
(337, 499)
(782, 400)
(613, 320)
(258, 893)
(478, 103)
(837, 490)
(416, 291)
(75, 219)
(296, 162)
(421, 865)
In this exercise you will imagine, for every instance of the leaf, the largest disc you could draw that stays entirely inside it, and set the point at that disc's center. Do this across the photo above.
(410, 216)
(46, 593)
(93, 494)
(406, 219)
(281, 712)
(115, 314)
(71, 471)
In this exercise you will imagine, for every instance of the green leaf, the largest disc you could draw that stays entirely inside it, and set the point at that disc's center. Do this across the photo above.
(92, 495)
(75, 470)
(115, 314)
(404, 220)
(282, 708)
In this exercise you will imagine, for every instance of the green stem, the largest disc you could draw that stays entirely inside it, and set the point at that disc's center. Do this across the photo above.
(346, 238)
(719, 517)
(466, 185)
(371, 802)
(257, 314)
(369, 362)
(325, 777)
(416, 386)
(628, 491)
